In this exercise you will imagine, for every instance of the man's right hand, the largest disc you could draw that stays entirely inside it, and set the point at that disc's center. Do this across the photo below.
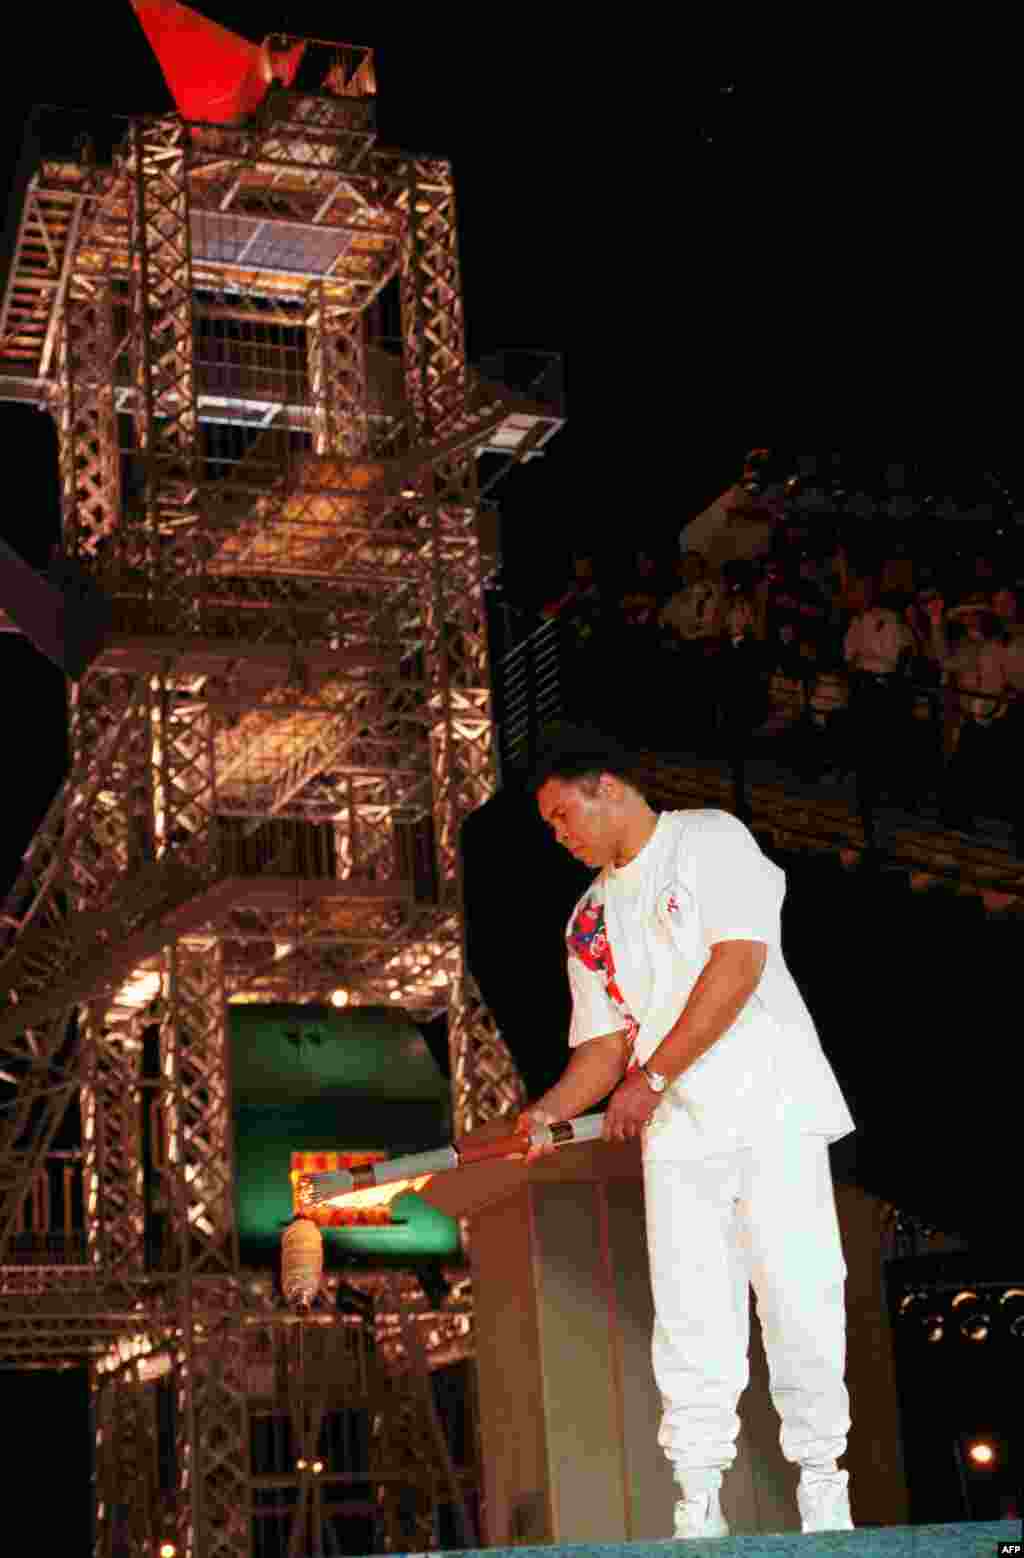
(526, 1124)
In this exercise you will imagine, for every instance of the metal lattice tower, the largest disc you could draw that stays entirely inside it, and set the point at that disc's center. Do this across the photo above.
(272, 755)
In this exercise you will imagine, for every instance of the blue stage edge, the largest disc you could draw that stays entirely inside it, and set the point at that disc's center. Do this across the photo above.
(978, 1539)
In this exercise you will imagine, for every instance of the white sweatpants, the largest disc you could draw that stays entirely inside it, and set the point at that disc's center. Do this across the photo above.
(764, 1217)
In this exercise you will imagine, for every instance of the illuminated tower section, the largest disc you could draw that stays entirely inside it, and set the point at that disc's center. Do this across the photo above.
(251, 338)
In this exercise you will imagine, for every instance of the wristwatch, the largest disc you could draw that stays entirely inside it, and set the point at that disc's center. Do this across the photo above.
(655, 1078)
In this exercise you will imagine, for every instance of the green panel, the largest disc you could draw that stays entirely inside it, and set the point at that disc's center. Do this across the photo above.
(306, 1051)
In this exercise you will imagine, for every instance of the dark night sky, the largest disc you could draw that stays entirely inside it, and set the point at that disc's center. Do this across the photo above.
(718, 267)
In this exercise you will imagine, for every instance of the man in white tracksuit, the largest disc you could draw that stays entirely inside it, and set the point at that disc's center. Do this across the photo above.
(685, 1013)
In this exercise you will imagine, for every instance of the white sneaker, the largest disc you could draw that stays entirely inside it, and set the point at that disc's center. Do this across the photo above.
(824, 1503)
(700, 1516)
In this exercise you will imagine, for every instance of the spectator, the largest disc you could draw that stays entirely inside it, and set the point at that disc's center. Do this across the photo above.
(694, 611)
(765, 575)
(740, 617)
(813, 605)
(925, 616)
(740, 577)
(742, 694)
(793, 596)
(781, 601)
(580, 608)
(822, 742)
(741, 642)
(878, 649)
(691, 621)
(787, 676)
(969, 616)
(905, 606)
(878, 639)
(1005, 602)
(638, 605)
(982, 763)
(976, 669)
(819, 553)
(579, 613)
(830, 582)
(854, 584)
(636, 653)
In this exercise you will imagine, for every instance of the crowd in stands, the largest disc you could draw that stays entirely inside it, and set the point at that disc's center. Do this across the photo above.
(908, 675)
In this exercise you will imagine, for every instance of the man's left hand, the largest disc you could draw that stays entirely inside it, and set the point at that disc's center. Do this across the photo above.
(630, 1107)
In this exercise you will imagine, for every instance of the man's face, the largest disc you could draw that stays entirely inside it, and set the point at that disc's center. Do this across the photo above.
(579, 813)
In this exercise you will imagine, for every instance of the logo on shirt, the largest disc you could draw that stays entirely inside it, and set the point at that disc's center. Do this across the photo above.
(588, 940)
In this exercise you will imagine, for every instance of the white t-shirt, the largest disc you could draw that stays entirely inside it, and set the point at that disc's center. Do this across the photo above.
(637, 942)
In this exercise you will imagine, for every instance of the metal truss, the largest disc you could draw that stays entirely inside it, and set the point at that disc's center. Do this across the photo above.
(242, 1362)
(270, 761)
(111, 1104)
(132, 1509)
(57, 1315)
(90, 465)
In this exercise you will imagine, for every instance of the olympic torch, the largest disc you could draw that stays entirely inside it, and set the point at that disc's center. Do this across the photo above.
(318, 1189)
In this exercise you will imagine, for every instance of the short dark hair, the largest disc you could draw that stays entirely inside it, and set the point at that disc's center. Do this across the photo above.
(571, 752)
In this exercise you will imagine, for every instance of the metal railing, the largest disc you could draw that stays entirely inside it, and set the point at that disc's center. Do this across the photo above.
(528, 693)
(50, 1225)
(800, 711)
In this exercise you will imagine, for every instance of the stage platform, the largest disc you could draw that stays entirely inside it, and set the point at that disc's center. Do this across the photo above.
(976, 1539)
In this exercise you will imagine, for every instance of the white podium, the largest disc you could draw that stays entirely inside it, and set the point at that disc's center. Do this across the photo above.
(569, 1409)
